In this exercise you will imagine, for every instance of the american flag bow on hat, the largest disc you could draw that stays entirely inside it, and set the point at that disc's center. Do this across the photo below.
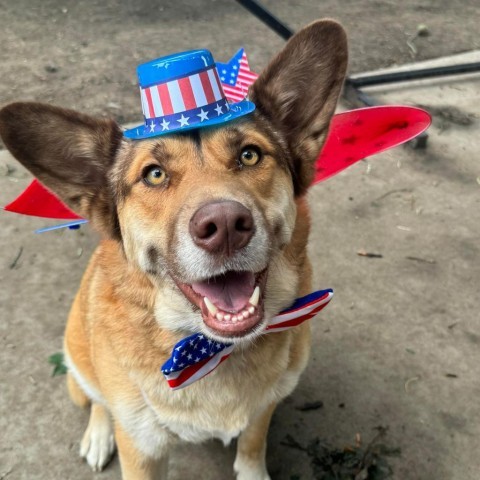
(197, 355)
(236, 76)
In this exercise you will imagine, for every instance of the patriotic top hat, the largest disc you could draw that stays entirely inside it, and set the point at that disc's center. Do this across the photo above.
(181, 92)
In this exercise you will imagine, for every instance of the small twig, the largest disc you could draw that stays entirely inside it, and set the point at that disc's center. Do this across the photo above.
(377, 200)
(16, 259)
(381, 433)
(411, 380)
(292, 443)
(310, 406)
(422, 260)
(363, 253)
(412, 47)
(422, 31)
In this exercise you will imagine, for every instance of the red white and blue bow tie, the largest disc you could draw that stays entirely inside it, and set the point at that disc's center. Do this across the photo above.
(197, 355)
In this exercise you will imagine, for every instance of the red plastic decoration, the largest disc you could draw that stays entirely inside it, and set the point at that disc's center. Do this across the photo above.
(37, 201)
(358, 134)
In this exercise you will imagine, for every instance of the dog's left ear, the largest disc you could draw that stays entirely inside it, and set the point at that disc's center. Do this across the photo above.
(70, 153)
(298, 92)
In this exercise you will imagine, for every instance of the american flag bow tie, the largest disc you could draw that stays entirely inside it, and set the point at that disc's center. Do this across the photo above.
(197, 355)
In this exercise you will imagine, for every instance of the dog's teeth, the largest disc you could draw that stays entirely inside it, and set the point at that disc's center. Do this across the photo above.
(245, 314)
(227, 317)
(255, 296)
(220, 316)
(211, 307)
(234, 319)
(251, 310)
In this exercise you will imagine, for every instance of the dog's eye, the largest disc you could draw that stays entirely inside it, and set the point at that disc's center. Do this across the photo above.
(250, 156)
(154, 176)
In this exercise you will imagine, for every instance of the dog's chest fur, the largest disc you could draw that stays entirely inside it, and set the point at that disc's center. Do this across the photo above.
(219, 406)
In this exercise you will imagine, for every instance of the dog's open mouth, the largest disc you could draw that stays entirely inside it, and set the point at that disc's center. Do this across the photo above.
(231, 304)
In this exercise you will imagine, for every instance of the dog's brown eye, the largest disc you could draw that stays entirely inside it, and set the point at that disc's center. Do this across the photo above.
(250, 156)
(154, 176)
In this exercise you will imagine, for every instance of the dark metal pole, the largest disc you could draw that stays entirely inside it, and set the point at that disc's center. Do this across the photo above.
(267, 17)
(420, 74)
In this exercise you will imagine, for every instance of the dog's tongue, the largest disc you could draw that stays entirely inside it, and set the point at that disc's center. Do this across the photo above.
(229, 292)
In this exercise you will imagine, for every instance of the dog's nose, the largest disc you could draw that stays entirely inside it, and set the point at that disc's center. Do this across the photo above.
(222, 227)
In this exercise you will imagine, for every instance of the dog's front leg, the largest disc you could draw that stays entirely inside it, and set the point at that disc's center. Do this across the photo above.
(135, 464)
(250, 463)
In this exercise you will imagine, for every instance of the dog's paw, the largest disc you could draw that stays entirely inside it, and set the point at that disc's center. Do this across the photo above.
(247, 471)
(98, 443)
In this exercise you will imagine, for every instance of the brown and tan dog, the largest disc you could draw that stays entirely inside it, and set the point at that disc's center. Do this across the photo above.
(224, 207)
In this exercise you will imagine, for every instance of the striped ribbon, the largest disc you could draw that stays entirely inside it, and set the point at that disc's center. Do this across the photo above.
(196, 356)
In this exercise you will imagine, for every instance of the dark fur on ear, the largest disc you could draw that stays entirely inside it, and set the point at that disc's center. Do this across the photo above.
(298, 92)
(69, 153)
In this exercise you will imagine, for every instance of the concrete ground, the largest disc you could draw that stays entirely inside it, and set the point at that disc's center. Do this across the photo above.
(398, 346)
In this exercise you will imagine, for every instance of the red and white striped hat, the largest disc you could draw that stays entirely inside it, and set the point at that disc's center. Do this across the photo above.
(181, 92)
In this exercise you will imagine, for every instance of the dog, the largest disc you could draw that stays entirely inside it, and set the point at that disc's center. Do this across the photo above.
(192, 224)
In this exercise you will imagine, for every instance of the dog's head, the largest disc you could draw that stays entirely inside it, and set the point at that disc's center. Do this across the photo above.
(211, 215)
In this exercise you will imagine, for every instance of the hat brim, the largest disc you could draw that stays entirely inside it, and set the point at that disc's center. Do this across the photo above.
(236, 110)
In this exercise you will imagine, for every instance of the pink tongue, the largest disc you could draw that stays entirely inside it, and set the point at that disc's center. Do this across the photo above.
(229, 292)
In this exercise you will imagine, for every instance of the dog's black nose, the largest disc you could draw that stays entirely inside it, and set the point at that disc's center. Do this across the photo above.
(222, 227)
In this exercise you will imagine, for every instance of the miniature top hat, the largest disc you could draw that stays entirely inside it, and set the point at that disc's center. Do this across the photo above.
(182, 92)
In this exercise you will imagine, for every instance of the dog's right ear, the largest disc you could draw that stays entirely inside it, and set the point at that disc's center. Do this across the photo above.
(69, 153)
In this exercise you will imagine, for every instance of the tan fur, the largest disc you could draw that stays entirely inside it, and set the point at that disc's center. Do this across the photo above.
(77, 395)
(129, 313)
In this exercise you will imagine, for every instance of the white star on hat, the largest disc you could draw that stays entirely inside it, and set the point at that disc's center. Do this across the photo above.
(203, 115)
(152, 126)
(183, 120)
(218, 109)
(165, 125)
